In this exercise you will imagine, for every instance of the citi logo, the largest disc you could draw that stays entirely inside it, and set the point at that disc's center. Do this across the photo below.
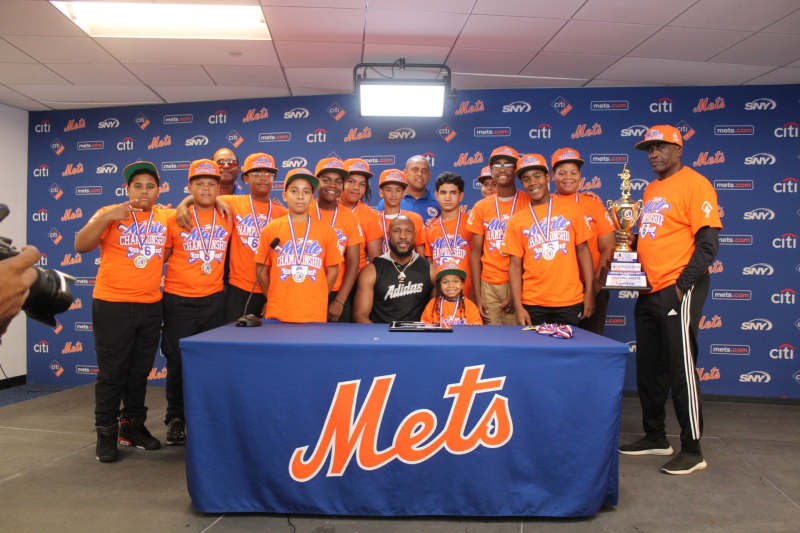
(787, 240)
(609, 105)
(503, 131)
(317, 136)
(790, 129)
(759, 269)
(542, 131)
(465, 107)
(784, 351)
(108, 124)
(56, 368)
(446, 132)
(57, 147)
(760, 213)
(41, 347)
(42, 127)
(703, 105)
(628, 294)
(430, 158)
(220, 117)
(55, 236)
(581, 131)
(40, 215)
(56, 191)
(636, 130)
(345, 434)
(178, 119)
(466, 159)
(402, 133)
(141, 121)
(125, 144)
(761, 104)
(108, 168)
(735, 130)
(562, 106)
(686, 130)
(730, 349)
(757, 324)
(336, 111)
(715, 322)
(158, 142)
(787, 185)
(295, 162)
(760, 159)
(605, 159)
(235, 139)
(122, 191)
(703, 159)
(517, 107)
(631, 346)
(252, 115)
(277, 136)
(91, 145)
(197, 140)
(355, 135)
(297, 112)
(42, 171)
(613, 320)
(72, 169)
(755, 376)
(786, 296)
(664, 105)
(75, 124)
(638, 184)
(730, 294)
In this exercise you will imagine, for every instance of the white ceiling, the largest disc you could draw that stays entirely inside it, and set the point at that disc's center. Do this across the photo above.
(46, 62)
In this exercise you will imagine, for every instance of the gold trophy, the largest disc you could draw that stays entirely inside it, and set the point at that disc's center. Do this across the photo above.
(626, 271)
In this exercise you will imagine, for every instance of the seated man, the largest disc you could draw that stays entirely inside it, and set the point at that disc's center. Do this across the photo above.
(396, 285)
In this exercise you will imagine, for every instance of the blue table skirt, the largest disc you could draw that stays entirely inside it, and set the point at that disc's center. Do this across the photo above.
(543, 440)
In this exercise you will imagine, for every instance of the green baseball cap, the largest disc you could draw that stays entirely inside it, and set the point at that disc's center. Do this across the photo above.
(131, 169)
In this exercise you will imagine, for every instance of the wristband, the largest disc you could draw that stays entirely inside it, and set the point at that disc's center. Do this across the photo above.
(338, 302)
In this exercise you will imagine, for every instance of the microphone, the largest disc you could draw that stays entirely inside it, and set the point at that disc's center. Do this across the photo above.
(251, 321)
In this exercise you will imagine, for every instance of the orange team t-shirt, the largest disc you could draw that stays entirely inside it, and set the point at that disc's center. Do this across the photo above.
(348, 232)
(442, 249)
(244, 241)
(191, 250)
(371, 228)
(415, 218)
(484, 220)
(468, 315)
(550, 272)
(118, 278)
(599, 220)
(288, 300)
(674, 210)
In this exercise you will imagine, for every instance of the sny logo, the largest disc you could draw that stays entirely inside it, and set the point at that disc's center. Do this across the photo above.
(336, 111)
(344, 434)
(758, 269)
(317, 136)
(664, 105)
(355, 135)
(197, 140)
(628, 294)
(790, 129)
(517, 107)
(562, 106)
(703, 105)
(465, 108)
(762, 158)
(760, 213)
(786, 296)
(108, 168)
(295, 162)
(42, 171)
(761, 104)
(787, 240)
(755, 376)
(141, 121)
(235, 139)
(253, 115)
(220, 117)
(108, 123)
(297, 112)
(757, 324)
(542, 131)
(402, 133)
(637, 130)
(75, 125)
(446, 132)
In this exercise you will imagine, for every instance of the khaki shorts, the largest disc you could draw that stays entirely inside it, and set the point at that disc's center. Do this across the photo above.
(493, 295)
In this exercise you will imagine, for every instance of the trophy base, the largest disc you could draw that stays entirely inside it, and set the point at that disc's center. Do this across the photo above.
(617, 280)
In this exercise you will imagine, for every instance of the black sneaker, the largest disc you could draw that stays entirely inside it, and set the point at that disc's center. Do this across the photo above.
(133, 433)
(684, 463)
(647, 446)
(106, 450)
(176, 432)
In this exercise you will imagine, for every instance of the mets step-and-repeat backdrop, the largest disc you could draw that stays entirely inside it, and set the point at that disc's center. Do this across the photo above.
(745, 140)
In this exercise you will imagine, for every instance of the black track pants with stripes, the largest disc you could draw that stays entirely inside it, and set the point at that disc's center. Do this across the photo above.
(666, 357)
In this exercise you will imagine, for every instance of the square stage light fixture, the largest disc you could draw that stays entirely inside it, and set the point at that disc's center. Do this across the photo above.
(387, 96)
(166, 21)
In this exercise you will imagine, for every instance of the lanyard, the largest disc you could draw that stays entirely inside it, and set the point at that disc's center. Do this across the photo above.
(259, 227)
(441, 312)
(546, 237)
(299, 258)
(497, 206)
(455, 236)
(139, 238)
(335, 212)
(206, 247)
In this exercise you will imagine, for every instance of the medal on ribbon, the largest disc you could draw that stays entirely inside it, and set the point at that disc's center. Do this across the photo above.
(207, 254)
(141, 260)
(549, 248)
(299, 271)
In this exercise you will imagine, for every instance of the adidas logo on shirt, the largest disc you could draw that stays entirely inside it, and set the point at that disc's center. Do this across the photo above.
(402, 290)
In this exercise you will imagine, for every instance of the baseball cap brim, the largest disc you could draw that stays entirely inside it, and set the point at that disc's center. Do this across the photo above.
(482, 178)
(133, 168)
(389, 182)
(455, 271)
(308, 177)
(577, 161)
(273, 169)
(642, 145)
(532, 167)
(205, 176)
(342, 172)
(364, 173)
(502, 156)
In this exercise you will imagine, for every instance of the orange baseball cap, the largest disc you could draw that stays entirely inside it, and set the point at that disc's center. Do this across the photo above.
(393, 176)
(331, 164)
(504, 152)
(660, 134)
(259, 160)
(358, 166)
(566, 155)
(531, 161)
(486, 172)
(448, 268)
(301, 173)
(203, 168)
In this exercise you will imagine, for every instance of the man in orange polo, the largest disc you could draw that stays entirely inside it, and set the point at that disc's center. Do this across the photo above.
(300, 272)
(677, 241)
(331, 174)
(392, 186)
(487, 222)
(356, 189)
(194, 300)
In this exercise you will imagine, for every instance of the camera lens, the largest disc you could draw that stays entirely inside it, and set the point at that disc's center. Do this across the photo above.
(49, 296)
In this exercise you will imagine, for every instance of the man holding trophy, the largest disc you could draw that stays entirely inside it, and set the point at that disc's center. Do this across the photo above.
(677, 241)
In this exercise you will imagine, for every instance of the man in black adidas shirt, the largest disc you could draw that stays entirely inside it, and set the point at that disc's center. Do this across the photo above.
(396, 285)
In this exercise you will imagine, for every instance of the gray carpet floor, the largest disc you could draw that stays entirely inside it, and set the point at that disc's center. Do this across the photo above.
(51, 482)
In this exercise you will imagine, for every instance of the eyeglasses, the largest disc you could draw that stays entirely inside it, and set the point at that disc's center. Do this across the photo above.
(259, 174)
(498, 166)
(231, 162)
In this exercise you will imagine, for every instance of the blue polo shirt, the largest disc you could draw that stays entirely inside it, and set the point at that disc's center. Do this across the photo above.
(425, 206)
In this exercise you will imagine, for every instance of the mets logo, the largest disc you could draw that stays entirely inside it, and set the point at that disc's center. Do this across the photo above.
(432, 211)
(345, 435)
(653, 217)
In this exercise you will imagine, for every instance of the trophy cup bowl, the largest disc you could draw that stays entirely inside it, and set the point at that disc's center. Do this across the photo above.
(624, 213)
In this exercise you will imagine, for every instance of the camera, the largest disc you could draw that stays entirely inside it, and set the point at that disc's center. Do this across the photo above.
(50, 293)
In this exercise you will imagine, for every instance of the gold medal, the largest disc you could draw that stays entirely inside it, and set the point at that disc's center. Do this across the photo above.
(206, 268)
(140, 261)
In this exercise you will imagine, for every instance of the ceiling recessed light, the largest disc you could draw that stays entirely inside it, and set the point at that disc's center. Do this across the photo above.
(235, 53)
(166, 21)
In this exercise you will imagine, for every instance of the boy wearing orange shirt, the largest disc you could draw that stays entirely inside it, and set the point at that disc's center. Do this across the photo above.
(548, 253)
(392, 186)
(448, 239)
(566, 165)
(486, 180)
(194, 300)
(487, 222)
(331, 174)
(356, 188)
(126, 308)
(300, 271)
